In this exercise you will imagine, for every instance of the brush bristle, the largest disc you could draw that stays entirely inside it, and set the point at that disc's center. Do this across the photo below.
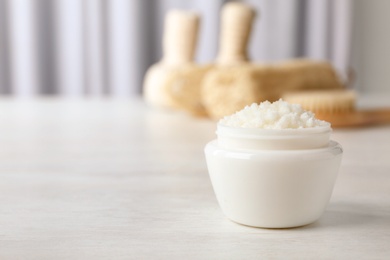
(324, 102)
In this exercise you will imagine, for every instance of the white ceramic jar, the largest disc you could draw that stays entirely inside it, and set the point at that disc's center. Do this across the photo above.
(273, 178)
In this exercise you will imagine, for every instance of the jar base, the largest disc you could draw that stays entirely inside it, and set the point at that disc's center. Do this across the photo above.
(264, 226)
(273, 189)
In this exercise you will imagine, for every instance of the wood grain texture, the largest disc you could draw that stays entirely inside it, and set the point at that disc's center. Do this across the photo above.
(118, 180)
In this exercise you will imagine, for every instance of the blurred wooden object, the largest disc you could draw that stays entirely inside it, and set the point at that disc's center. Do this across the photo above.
(185, 86)
(175, 81)
(358, 118)
(338, 107)
(232, 64)
(235, 82)
(227, 90)
(236, 25)
(232, 82)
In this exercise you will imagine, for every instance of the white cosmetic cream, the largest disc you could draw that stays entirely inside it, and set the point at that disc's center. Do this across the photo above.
(273, 165)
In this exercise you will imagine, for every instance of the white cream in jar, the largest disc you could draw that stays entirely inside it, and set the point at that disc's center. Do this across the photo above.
(273, 165)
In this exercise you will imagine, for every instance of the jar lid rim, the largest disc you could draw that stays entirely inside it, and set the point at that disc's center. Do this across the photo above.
(223, 129)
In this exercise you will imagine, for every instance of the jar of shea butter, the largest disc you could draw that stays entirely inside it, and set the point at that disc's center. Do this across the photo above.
(273, 165)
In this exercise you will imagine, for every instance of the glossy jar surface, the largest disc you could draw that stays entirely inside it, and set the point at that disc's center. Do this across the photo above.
(273, 178)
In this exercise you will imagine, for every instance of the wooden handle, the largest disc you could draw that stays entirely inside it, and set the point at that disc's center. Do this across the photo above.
(236, 24)
(180, 37)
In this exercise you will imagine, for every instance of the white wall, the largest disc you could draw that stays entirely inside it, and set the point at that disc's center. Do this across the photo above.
(371, 45)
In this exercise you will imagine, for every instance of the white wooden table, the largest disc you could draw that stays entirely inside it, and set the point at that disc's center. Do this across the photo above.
(118, 180)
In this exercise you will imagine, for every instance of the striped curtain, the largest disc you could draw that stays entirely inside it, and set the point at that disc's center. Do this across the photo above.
(103, 47)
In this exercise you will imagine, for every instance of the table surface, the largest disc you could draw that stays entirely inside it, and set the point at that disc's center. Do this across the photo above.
(107, 179)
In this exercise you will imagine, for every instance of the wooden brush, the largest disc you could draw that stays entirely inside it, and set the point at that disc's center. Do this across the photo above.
(338, 107)
(234, 82)
(175, 81)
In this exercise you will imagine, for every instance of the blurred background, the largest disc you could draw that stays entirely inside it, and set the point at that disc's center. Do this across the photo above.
(103, 47)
